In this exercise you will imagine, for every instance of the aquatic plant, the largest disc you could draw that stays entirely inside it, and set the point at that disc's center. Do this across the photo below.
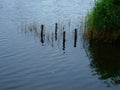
(103, 21)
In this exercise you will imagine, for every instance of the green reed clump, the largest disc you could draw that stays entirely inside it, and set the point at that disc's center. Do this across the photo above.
(103, 21)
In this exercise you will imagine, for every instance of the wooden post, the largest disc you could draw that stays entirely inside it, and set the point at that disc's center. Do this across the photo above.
(75, 37)
(56, 27)
(64, 40)
(42, 33)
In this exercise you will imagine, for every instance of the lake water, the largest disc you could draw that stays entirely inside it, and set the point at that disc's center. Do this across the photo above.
(41, 48)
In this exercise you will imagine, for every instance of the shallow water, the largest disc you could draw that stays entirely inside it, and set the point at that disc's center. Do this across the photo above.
(32, 59)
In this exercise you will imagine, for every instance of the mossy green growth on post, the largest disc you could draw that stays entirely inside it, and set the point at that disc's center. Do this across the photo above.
(103, 21)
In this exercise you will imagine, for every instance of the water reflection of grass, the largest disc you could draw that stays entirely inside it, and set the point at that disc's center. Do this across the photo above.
(105, 62)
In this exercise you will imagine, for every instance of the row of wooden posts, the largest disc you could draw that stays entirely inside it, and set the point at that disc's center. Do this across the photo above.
(56, 30)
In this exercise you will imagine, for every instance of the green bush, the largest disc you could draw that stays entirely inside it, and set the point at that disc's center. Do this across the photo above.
(104, 19)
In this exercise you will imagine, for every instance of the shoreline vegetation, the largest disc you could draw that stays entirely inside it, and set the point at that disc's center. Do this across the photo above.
(102, 23)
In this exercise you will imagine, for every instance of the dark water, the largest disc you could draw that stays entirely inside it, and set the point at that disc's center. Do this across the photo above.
(105, 62)
(55, 58)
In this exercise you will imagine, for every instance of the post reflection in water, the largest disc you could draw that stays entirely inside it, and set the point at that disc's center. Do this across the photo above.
(105, 62)
(52, 39)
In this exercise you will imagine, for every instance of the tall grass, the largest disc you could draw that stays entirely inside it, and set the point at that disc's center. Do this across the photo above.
(103, 21)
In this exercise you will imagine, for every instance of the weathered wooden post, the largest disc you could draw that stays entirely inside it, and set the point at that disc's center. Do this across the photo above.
(56, 27)
(42, 33)
(75, 37)
(64, 40)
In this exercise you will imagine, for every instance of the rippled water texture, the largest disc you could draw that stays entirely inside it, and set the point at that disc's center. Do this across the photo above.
(41, 48)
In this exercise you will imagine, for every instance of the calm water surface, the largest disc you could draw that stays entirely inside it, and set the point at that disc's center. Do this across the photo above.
(55, 58)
